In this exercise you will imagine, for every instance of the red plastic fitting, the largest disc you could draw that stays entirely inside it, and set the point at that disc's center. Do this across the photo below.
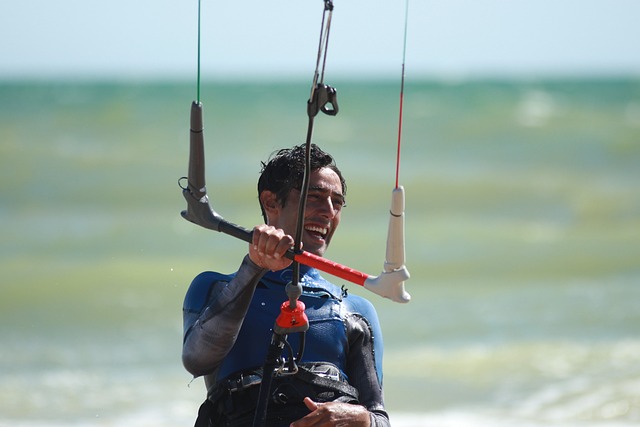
(292, 319)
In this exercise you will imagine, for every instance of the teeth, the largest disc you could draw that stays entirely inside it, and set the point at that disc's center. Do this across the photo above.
(320, 230)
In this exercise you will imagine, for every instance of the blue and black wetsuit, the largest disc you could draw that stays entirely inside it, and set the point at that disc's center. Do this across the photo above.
(228, 321)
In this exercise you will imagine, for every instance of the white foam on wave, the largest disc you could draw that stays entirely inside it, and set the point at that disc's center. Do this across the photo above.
(478, 419)
(181, 414)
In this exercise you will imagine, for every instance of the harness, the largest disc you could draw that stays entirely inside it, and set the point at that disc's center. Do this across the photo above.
(233, 401)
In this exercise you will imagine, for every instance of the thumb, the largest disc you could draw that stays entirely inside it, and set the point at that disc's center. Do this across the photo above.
(311, 405)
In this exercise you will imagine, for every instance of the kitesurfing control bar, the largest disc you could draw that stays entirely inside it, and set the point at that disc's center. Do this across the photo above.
(389, 284)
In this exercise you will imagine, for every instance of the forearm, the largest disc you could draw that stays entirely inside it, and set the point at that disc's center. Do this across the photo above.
(214, 332)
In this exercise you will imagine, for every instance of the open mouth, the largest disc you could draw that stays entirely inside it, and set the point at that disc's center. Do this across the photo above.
(317, 232)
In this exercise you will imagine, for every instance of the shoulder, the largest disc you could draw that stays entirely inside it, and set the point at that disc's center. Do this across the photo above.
(357, 304)
(200, 289)
(351, 303)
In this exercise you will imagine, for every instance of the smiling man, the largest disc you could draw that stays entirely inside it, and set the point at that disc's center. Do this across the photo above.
(228, 319)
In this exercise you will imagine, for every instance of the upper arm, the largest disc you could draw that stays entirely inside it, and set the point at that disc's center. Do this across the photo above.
(367, 311)
(200, 292)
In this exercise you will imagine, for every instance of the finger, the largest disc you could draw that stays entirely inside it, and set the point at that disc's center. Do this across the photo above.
(285, 243)
(269, 238)
(272, 241)
(257, 236)
(310, 404)
(310, 419)
(257, 246)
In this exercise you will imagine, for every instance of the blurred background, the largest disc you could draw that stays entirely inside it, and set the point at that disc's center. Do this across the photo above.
(520, 160)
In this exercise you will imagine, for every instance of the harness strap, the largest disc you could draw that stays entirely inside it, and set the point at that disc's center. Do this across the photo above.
(234, 399)
(337, 385)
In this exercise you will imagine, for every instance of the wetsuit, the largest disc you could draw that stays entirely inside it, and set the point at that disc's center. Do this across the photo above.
(228, 321)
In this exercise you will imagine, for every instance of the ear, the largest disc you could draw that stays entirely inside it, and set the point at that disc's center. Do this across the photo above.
(270, 205)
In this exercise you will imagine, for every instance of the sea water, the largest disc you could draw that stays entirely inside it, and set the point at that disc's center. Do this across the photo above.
(522, 239)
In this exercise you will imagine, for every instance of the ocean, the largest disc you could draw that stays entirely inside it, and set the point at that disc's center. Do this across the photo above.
(522, 240)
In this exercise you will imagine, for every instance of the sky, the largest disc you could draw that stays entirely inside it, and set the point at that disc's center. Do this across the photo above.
(157, 39)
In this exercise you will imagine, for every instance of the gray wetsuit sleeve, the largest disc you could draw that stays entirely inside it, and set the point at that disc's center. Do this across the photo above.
(362, 369)
(215, 329)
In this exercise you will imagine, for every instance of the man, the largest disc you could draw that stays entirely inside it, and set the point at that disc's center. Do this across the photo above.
(228, 319)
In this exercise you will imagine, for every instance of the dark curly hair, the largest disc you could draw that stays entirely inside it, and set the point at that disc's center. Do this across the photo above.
(284, 171)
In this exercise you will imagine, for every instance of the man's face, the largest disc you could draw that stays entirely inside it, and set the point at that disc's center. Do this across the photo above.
(322, 215)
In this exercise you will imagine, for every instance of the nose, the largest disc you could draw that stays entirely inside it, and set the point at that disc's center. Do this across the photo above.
(325, 207)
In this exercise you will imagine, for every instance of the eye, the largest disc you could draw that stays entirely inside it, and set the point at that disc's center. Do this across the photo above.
(339, 203)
